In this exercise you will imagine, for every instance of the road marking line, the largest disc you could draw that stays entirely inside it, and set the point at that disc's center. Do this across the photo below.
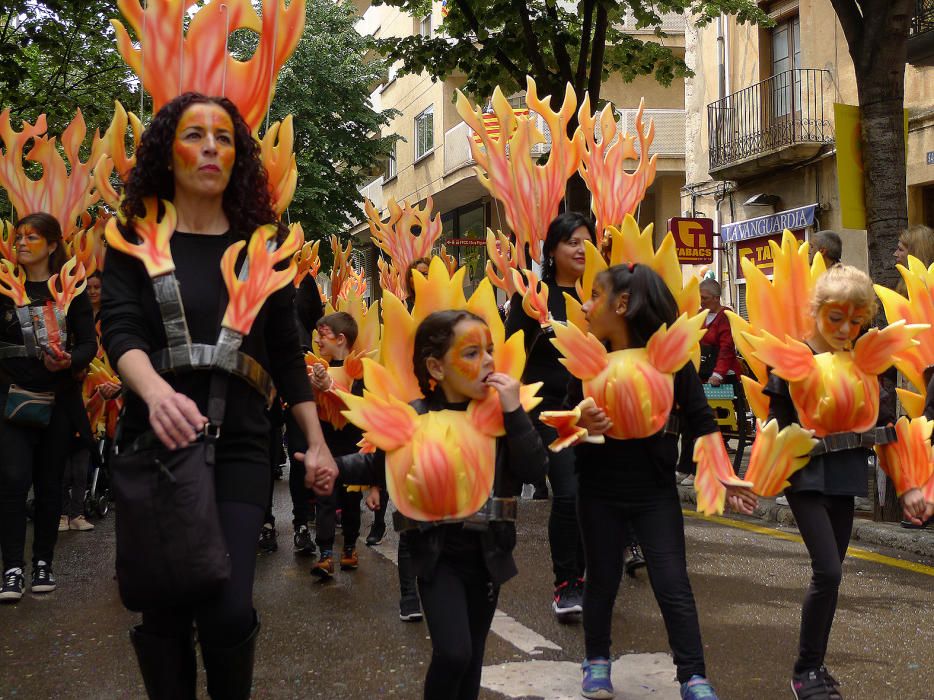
(508, 628)
(855, 552)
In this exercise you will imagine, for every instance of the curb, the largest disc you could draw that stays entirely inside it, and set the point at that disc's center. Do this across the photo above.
(916, 542)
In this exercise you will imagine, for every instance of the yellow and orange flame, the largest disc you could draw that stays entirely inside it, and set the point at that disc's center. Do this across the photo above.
(341, 270)
(170, 62)
(908, 460)
(7, 233)
(714, 473)
(62, 191)
(615, 192)
(534, 295)
(391, 279)
(72, 280)
(395, 236)
(153, 250)
(530, 193)
(247, 297)
(307, 262)
(776, 455)
(13, 283)
(279, 161)
(83, 247)
(114, 155)
(502, 259)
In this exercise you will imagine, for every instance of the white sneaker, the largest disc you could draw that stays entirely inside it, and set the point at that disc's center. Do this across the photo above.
(80, 523)
(688, 480)
(63, 523)
(782, 501)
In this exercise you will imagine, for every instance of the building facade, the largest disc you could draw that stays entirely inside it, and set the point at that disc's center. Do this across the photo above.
(765, 150)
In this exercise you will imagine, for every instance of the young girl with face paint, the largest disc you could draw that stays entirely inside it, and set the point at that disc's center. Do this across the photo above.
(632, 481)
(821, 494)
(461, 565)
(199, 154)
(33, 455)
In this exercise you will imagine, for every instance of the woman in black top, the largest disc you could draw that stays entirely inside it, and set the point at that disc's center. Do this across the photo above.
(563, 253)
(31, 454)
(199, 154)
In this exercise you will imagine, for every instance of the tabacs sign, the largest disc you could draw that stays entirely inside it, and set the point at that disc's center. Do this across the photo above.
(693, 239)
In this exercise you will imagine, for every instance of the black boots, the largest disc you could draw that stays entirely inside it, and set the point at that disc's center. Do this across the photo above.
(230, 669)
(167, 665)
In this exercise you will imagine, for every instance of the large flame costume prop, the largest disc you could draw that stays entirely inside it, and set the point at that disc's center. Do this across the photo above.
(439, 465)
(833, 392)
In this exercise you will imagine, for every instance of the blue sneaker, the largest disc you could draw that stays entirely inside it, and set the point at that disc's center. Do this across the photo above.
(697, 688)
(596, 683)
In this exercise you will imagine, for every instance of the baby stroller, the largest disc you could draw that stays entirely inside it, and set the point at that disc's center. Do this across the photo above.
(98, 499)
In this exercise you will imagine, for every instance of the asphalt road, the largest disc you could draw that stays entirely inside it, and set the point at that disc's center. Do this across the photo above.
(343, 638)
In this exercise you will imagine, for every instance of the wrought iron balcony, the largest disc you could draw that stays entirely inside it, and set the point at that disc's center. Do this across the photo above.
(921, 34)
(783, 119)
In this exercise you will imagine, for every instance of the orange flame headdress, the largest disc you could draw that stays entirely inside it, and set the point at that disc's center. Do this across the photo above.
(439, 465)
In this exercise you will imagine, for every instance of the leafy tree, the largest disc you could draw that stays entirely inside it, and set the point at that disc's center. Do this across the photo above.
(326, 85)
(499, 42)
(877, 37)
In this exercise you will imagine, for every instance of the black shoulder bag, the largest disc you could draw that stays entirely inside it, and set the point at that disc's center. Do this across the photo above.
(170, 546)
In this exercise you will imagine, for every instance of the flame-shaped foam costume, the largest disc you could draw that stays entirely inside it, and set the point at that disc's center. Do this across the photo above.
(635, 387)
(833, 392)
(439, 465)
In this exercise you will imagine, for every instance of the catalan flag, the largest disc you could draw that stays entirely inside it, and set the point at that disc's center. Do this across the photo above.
(492, 123)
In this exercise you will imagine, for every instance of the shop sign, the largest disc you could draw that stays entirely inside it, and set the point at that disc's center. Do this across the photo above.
(465, 242)
(693, 239)
(792, 219)
(760, 252)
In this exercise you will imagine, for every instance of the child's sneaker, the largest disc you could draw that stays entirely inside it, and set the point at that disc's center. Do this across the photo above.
(410, 610)
(302, 540)
(63, 523)
(14, 583)
(810, 685)
(267, 538)
(377, 532)
(349, 559)
(324, 568)
(43, 581)
(833, 688)
(596, 682)
(697, 688)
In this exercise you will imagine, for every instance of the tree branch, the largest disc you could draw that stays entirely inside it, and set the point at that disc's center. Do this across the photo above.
(581, 77)
(517, 73)
(561, 52)
(531, 41)
(598, 54)
(851, 20)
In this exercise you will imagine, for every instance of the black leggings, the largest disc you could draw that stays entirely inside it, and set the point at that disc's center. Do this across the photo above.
(459, 607)
(227, 618)
(567, 552)
(33, 456)
(301, 495)
(659, 526)
(825, 524)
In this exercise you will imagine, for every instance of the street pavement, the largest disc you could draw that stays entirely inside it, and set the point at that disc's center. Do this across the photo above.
(343, 638)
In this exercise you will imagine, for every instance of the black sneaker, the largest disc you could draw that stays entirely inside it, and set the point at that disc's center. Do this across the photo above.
(267, 538)
(410, 610)
(43, 581)
(569, 599)
(377, 531)
(633, 559)
(810, 685)
(13, 585)
(302, 540)
(833, 688)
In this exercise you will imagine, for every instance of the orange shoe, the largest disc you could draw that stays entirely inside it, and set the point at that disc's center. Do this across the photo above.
(349, 559)
(324, 568)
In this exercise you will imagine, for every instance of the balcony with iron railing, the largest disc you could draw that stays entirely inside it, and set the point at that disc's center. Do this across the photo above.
(921, 34)
(779, 121)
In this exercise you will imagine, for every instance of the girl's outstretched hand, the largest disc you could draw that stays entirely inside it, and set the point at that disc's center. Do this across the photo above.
(508, 389)
(593, 419)
(741, 499)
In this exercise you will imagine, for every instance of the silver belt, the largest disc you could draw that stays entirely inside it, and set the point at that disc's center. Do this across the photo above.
(202, 357)
(494, 510)
(838, 442)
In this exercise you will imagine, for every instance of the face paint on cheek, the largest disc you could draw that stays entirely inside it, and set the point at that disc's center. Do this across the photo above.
(470, 368)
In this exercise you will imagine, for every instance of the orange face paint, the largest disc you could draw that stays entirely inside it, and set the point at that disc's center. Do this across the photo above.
(468, 352)
(841, 323)
(204, 142)
(30, 240)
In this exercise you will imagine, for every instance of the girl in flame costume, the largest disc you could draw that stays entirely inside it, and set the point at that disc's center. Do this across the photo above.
(446, 417)
(817, 386)
(633, 381)
(46, 339)
(182, 305)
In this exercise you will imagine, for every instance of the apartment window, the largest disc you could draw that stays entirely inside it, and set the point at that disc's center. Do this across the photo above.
(424, 26)
(391, 166)
(424, 133)
(786, 56)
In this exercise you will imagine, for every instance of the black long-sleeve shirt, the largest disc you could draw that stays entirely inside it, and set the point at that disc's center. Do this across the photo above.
(31, 373)
(520, 458)
(642, 468)
(542, 356)
(130, 320)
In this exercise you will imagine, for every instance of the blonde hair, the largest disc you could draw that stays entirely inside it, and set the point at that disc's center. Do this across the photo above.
(918, 239)
(844, 284)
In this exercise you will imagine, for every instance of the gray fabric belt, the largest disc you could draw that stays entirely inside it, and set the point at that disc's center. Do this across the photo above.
(494, 510)
(10, 351)
(838, 442)
(202, 357)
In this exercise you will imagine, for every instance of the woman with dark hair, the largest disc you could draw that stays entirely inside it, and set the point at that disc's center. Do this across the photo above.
(198, 154)
(563, 256)
(33, 451)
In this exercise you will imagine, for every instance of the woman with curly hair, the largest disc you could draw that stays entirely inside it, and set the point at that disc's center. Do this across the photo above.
(199, 155)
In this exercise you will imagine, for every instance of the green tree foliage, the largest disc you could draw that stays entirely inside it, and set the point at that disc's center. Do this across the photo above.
(326, 85)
